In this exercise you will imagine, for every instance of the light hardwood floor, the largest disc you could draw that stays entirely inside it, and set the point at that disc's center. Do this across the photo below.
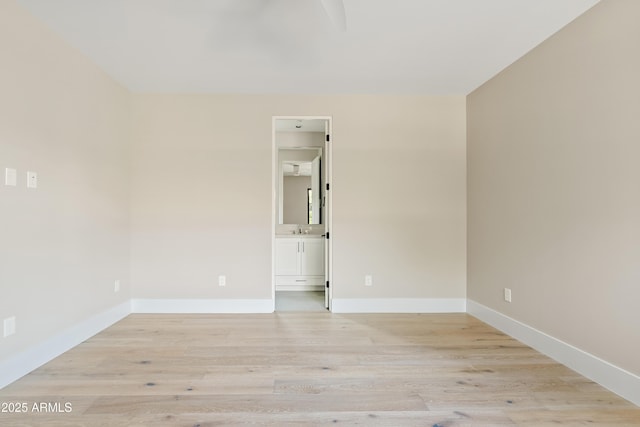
(290, 369)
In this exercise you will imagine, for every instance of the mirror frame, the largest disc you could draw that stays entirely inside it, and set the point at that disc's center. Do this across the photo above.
(319, 151)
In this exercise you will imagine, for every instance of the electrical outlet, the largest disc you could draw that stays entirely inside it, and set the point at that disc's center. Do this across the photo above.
(222, 280)
(368, 280)
(116, 286)
(9, 326)
(507, 294)
(32, 179)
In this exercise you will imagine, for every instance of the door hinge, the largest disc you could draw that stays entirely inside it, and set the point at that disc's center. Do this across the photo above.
(327, 284)
(328, 138)
(327, 186)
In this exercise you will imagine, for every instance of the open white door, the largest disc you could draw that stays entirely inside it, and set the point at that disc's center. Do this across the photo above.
(321, 197)
(326, 216)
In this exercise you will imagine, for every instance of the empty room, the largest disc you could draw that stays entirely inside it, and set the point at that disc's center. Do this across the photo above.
(319, 212)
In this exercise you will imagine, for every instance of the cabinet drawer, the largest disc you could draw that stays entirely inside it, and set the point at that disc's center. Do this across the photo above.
(299, 283)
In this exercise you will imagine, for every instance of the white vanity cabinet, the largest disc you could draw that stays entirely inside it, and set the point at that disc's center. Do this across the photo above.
(300, 263)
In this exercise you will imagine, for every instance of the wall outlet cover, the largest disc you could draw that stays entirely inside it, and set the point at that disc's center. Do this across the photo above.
(32, 179)
(507, 294)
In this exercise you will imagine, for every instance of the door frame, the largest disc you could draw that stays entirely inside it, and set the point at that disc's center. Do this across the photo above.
(327, 215)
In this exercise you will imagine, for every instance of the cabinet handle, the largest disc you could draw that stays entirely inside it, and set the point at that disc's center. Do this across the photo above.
(302, 246)
(298, 247)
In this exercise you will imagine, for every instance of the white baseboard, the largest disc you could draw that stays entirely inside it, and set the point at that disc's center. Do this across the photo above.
(398, 305)
(202, 305)
(619, 381)
(26, 361)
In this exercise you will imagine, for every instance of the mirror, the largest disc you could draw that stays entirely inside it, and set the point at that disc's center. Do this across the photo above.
(300, 186)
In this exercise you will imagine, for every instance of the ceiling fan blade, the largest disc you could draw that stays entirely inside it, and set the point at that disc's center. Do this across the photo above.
(335, 10)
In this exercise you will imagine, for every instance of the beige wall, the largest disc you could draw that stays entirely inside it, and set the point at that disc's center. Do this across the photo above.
(66, 242)
(553, 179)
(399, 194)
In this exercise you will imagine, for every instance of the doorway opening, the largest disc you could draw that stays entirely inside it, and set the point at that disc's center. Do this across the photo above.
(301, 213)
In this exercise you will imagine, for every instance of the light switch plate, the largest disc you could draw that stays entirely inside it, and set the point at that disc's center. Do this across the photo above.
(9, 326)
(10, 177)
(32, 179)
(222, 280)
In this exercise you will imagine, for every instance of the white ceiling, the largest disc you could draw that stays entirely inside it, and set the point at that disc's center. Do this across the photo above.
(291, 46)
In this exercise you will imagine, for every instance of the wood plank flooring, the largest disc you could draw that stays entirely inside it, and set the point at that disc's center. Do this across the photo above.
(291, 369)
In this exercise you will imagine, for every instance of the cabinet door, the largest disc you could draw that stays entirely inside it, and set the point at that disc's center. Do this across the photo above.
(287, 257)
(312, 258)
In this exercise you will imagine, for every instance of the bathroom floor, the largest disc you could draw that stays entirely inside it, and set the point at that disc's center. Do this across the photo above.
(300, 301)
